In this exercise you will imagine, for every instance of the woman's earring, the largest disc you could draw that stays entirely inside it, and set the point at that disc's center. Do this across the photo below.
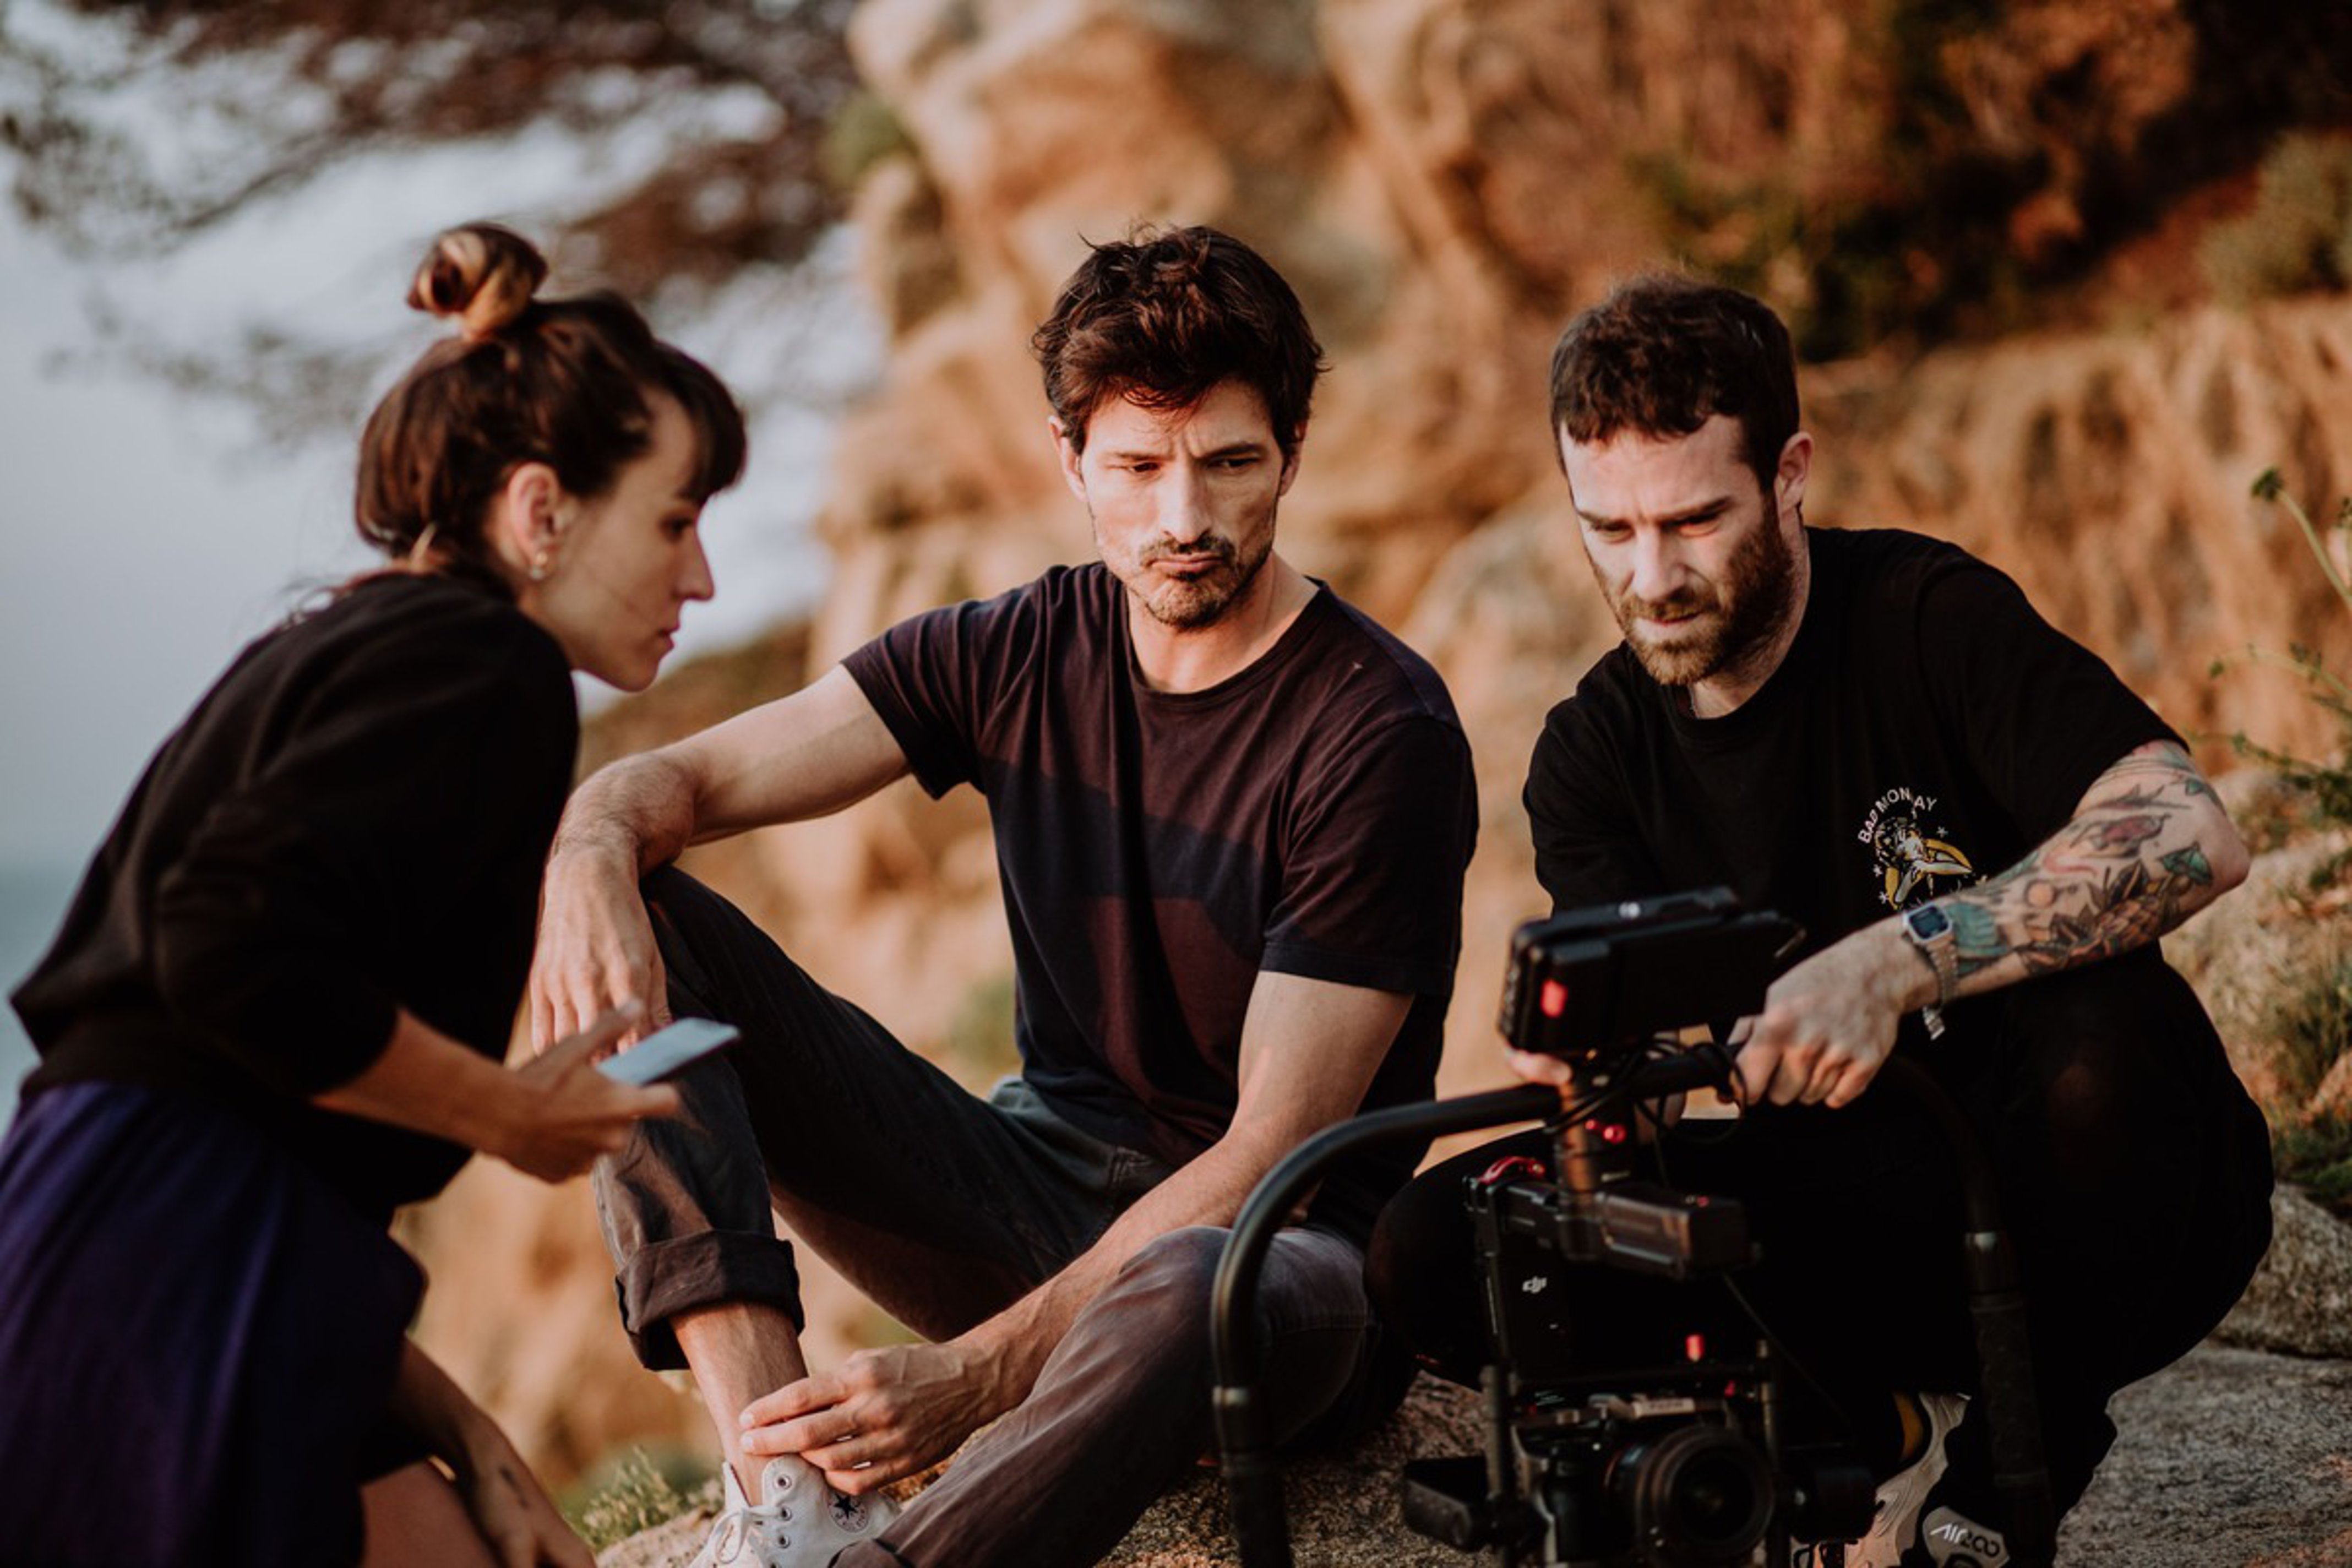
(541, 565)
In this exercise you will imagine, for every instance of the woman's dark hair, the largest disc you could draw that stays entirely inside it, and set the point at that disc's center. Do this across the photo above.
(1662, 355)
(1165, 315)
(560, 382)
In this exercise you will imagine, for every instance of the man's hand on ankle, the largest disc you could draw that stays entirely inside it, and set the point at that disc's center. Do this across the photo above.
(884, 1414)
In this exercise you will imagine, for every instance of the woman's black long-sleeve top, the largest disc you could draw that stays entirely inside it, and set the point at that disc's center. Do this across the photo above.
(353, 820)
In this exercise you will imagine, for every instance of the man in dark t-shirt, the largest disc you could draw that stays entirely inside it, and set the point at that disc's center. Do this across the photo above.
(1982, 833)
(1232, 817)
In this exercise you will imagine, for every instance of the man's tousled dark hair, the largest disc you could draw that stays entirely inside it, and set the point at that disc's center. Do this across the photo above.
(1163, 317)
(1662, 355)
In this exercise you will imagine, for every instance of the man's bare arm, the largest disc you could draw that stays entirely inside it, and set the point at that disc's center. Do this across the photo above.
(801, 756)
(1309, 1048)
(2147, 847)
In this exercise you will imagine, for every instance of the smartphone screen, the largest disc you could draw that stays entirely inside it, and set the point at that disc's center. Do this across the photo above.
(664, 1051)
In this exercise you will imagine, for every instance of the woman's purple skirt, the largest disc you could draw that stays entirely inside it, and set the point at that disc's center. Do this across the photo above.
(198, 1337)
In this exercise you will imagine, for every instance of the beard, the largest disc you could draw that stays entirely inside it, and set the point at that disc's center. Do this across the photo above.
(1732, 617)
(1189, 603)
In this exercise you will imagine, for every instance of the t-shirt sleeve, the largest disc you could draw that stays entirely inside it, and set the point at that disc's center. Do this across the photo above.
(922, 677)
(400, 778)
(2042, 715)
(1371, 876)
(1587, 842)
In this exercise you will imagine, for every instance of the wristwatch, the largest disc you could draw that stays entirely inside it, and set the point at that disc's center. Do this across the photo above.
(1929, 930)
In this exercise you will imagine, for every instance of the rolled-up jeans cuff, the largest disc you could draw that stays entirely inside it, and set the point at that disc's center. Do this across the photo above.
(709, 1269)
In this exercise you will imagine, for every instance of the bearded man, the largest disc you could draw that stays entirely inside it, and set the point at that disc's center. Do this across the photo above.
(1983, 832)
(1232, 817)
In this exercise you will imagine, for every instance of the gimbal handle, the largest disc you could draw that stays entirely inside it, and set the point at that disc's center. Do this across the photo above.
(1253, 1477)
(2012, 1404)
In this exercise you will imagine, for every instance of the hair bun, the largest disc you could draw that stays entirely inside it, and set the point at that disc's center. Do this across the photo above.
(482, 274)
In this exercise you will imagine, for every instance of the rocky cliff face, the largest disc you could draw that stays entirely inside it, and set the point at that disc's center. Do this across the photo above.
(1445, 181)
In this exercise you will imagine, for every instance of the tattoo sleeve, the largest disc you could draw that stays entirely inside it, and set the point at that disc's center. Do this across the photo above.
(2138, 859)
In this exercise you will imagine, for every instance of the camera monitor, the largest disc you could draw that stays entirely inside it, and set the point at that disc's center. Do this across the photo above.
(1589, 980)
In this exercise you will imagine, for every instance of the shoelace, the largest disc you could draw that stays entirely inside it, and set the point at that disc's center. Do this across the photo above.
(734, 1531)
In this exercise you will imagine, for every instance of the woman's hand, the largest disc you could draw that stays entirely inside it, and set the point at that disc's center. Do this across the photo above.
(560, 1112)
(509, 1508)
(549, 1118)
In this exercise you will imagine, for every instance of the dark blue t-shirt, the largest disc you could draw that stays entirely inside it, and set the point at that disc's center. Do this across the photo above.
(1312, 815)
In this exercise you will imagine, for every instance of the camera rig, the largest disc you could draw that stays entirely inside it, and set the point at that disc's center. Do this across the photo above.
(1630, 1450)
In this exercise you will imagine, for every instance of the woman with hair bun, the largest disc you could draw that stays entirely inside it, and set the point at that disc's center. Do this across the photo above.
(279, 1004)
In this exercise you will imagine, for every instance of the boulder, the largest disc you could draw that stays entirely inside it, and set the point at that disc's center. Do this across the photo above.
(2300, 1300)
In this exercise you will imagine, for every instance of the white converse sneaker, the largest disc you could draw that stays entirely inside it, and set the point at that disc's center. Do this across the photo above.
(1894, 1527)
(798, 1522)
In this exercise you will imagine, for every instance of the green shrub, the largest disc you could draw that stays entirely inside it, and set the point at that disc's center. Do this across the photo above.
(2298, 238)
(625, 1496)
(980, 1047)
(2328, 784)
(862, 132)
(2313, 1025)
(2317, 1156)
(2312, 1019)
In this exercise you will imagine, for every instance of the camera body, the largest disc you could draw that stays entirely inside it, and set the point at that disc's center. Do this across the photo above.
(1626, 1437)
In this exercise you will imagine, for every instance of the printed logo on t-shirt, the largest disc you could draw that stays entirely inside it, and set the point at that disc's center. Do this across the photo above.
(1911, 852)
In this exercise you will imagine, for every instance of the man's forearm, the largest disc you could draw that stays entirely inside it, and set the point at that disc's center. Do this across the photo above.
(2148, 847)
(640, 810)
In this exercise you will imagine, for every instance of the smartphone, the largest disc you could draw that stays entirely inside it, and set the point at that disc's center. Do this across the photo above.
(665, 1051)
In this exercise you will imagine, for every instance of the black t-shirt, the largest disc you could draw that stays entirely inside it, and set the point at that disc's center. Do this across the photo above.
(1926, 730)
(1312, 814)
(352, 820)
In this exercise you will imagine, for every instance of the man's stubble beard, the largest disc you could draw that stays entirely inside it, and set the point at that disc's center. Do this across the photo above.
(1202, 601)
(1752, 599)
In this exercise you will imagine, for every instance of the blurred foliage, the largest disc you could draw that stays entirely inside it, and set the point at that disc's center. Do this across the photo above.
(2328, 784)
(2298, 238)
(639, 1489)
(2317, 1156)
(132, 130)
(2313, 1023)
(1924, 242)
(861, 135)
(871, 1328)
(980, 1047)
(2005, 168)
(283, 92)
(2311, 1017)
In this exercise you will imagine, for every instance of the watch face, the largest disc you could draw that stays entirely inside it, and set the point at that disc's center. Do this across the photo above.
(1926, 923)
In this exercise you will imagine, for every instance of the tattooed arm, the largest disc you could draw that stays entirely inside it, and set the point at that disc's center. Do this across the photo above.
(2147, 847)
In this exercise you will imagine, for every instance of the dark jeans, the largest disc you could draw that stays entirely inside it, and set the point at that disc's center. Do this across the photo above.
(2134, 1180)
(944, 1209)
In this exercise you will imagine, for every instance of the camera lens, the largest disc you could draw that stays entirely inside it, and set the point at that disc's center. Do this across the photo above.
(1696, 1497)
